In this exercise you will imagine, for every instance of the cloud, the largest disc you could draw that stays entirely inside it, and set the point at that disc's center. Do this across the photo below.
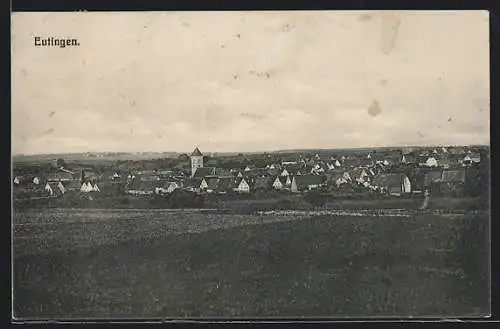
(290, 80)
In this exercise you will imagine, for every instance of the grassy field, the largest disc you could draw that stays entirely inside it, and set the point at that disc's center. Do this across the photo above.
(144, 263)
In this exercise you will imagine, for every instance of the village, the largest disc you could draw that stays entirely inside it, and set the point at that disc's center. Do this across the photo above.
(451, 171)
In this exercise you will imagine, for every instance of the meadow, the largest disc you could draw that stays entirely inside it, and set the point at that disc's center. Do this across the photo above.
(89, 263)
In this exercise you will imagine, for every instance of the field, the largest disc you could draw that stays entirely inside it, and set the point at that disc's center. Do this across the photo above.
(156, 263)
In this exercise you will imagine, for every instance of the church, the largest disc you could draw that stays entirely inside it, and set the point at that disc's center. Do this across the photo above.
(196, 161)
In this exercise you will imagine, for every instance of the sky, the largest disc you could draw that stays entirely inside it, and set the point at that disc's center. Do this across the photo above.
(249, 81)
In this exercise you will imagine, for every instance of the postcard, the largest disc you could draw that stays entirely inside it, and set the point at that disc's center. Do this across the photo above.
(250, 165)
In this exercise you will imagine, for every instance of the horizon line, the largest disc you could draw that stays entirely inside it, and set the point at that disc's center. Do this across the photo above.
(249, 152)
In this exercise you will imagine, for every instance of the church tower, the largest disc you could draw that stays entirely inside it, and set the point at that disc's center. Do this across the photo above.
(196, 161)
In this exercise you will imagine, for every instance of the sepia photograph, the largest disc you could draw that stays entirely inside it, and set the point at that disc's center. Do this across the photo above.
(250, 165)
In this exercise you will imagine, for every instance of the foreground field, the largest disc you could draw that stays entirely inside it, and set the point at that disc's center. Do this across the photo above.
(123, 264)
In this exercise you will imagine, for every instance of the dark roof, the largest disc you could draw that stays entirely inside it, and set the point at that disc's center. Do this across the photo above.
(334, 175)
(138, 185)
(194, 182)
(212, 171)
(202, 172)
(389, 180)
(307, 180)
(212, 182)
(225, 183)
(72, 185)
(453, 176)
(196, 152)
(255, 172)
(291, 169)
(432, 177)
(263, 182)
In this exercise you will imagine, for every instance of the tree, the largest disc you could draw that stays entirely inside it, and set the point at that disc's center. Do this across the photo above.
(315, 198)
(60, 162)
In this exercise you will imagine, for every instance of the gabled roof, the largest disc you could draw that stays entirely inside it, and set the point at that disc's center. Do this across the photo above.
(212, 171)
(194, 182)
(196, 152)
(356, 172)
(247, 180)
(308, 180)
(388, 180)
(202, 172)
(212, 182)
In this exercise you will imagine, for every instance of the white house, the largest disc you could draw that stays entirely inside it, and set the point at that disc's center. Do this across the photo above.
(431, 162)
(36, 180)
(243, 186)
(86, 187)
(61, 188)
(52, 188)
(49, 189)
(278, 184)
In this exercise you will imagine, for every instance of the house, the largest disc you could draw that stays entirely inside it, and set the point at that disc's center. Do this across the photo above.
(319, 169)
(167, 187)
(471, 158)
(193, 185)
(90, 175)
(138, 187)
(209, 184)
(262, 183)
(18, 180)
(306, 182)
(203, 171)
(392, 183)
(87, 187)
(72, 185)
(61, 175)
(431, 162)
(407, 159)
(291, 170)
(211, 171)
(249, 167)
(338, 178)
(54, 188)
(432, 177)
(242, 186)
(453, 176)
(452, 180)
(280, 182)
(224, 185)
(359, 175)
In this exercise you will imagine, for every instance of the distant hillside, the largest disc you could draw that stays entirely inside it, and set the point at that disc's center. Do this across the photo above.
(89, 157)
(124, 156)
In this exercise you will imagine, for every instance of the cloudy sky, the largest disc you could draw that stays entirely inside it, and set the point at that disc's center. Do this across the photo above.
(249, 81)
